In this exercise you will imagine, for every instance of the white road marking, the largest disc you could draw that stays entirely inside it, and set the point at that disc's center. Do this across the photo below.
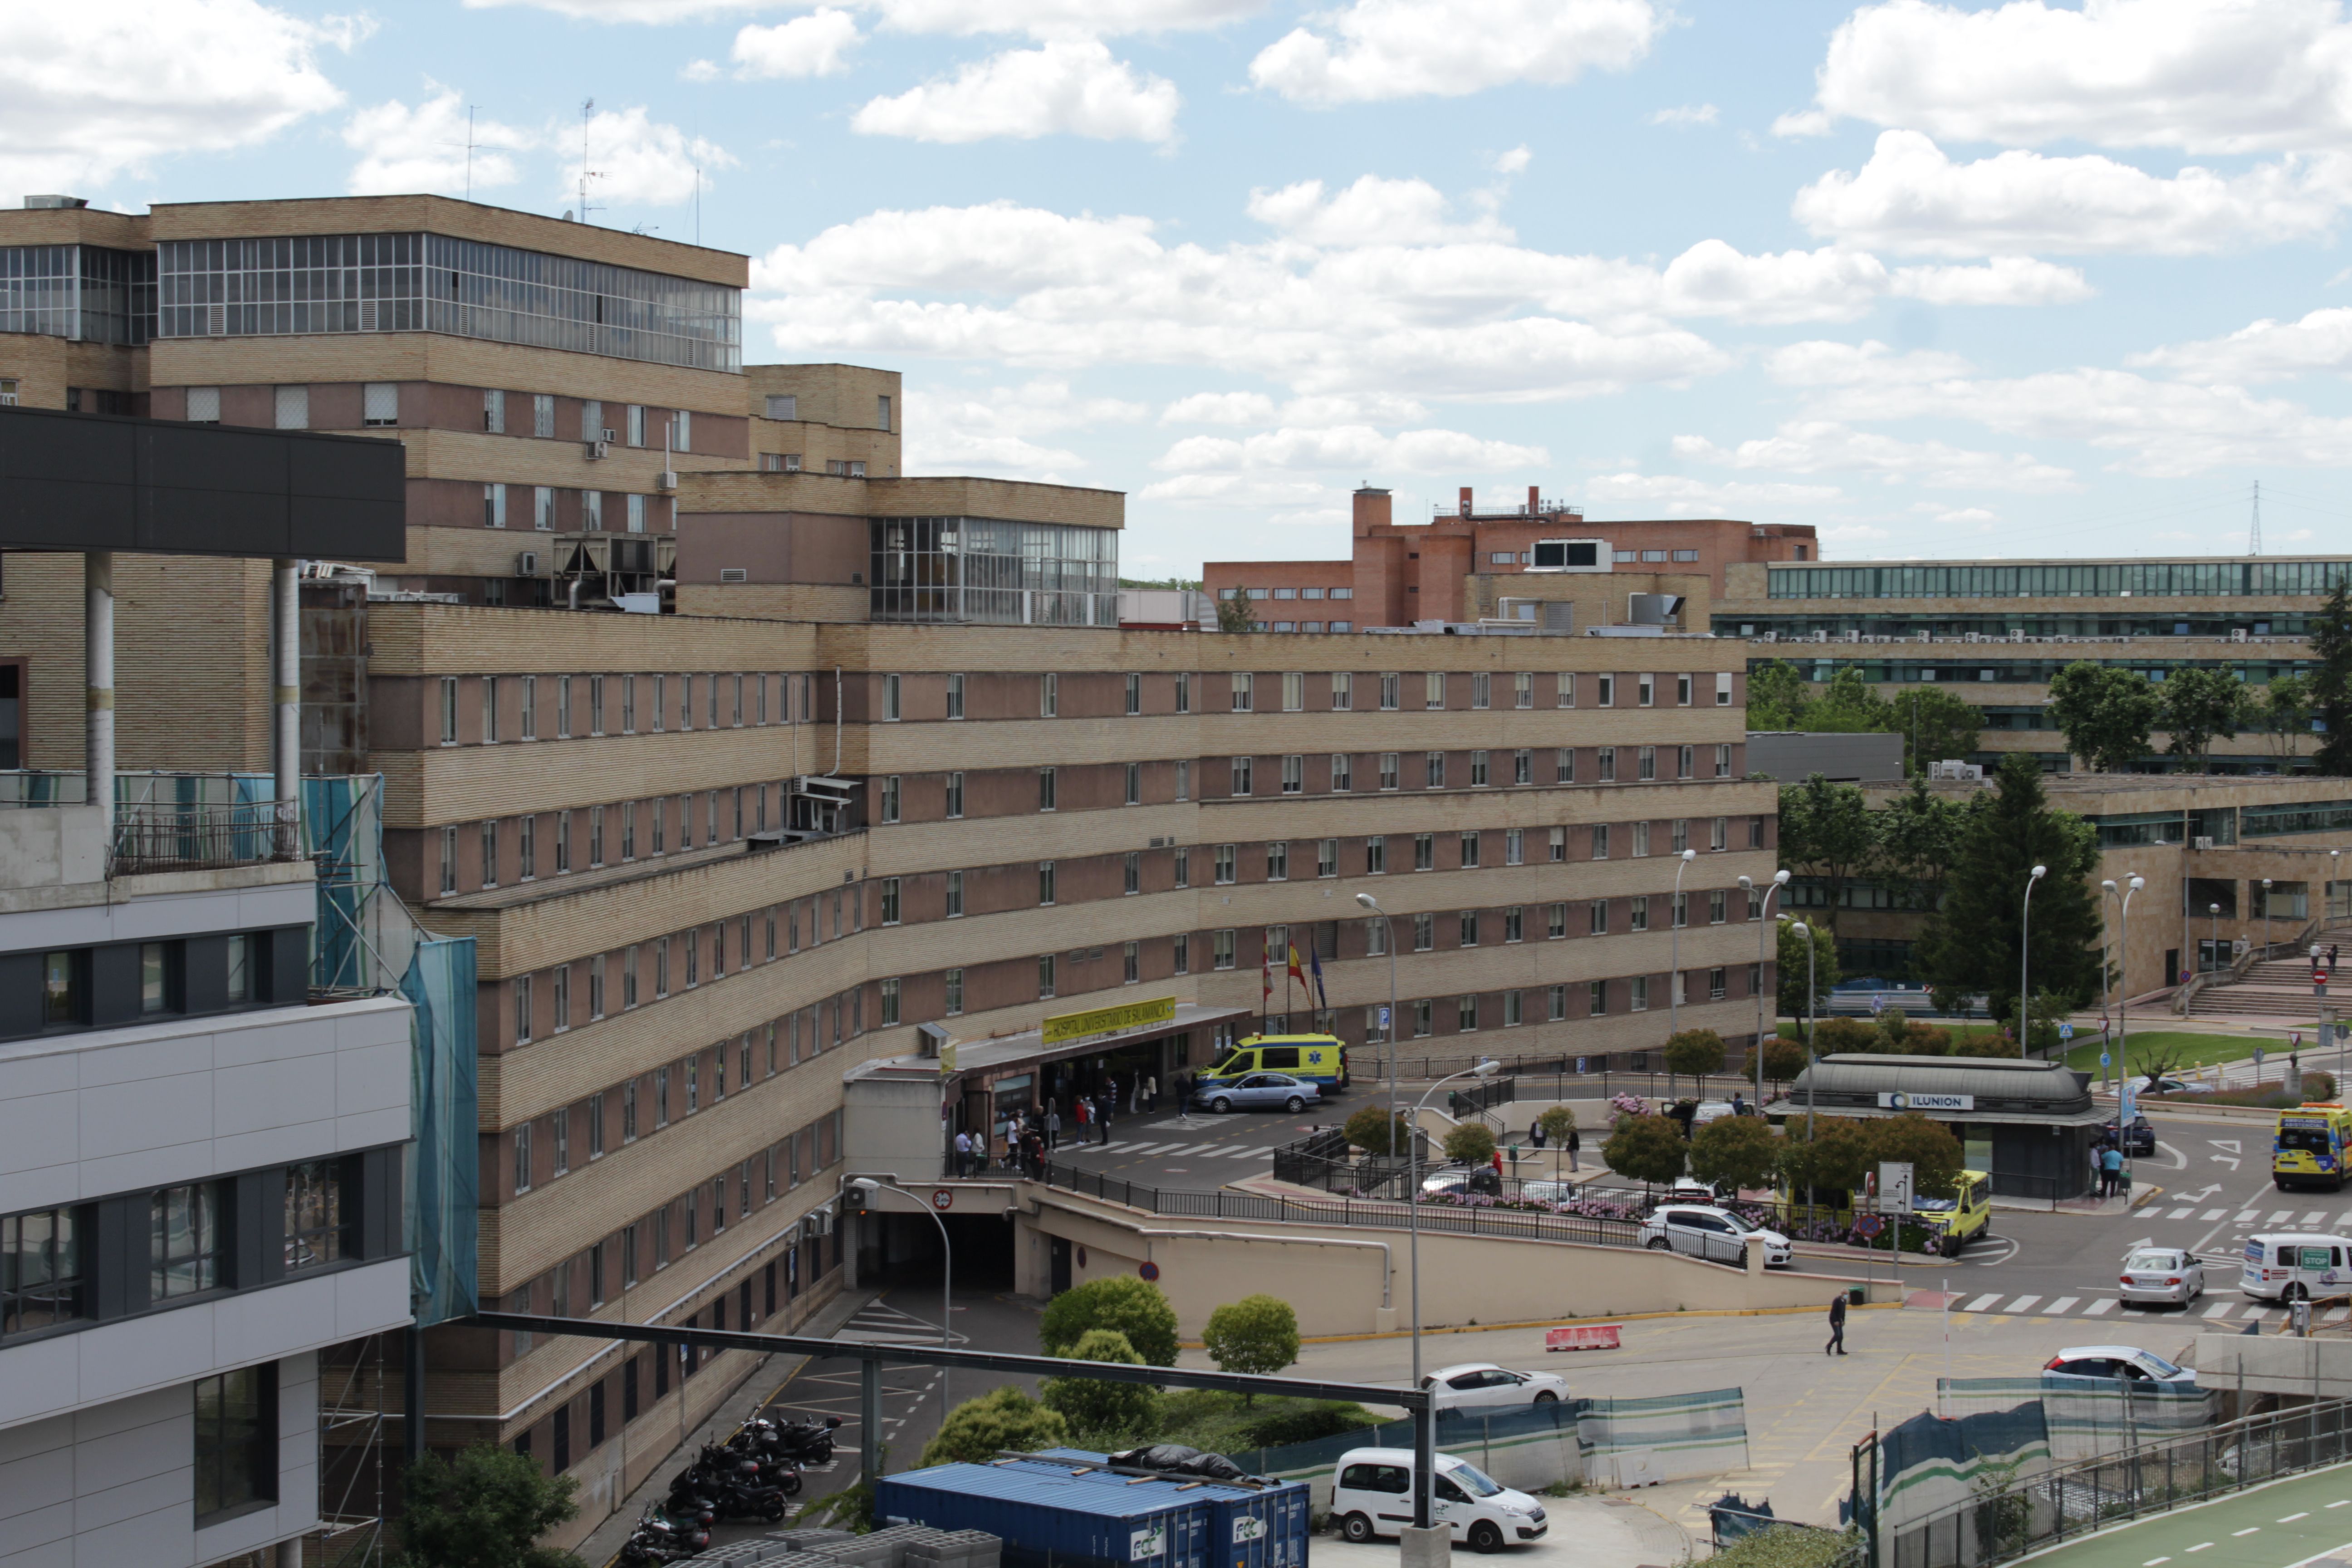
(2284, 1217)
(2176, 1213)
(2250, 1529)
(1981, 1302)
(2219, 1309)
(2104, 1305)
(2255, 1312)
(2215, 1213)
(2342, 1502)
(2060, 1305)
(2315, 1219)
(2248, 1217)
(2290, 1519)
(2200, 1546)
(2024, 1303)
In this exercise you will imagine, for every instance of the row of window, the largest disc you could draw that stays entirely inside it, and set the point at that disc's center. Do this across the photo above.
(1388, 689)
(790, 463)
(508, 706)
(129, 982)
(1309, 594)
(553, 509)
(786, 406)
(590, 838)
(1423, 1017)
(380, 407)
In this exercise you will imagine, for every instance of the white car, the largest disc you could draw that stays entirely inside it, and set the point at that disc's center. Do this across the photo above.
(1716, 1235)
(1483, 1385)
(2129, 1362)
(2160, 1277)
(1372, 1496)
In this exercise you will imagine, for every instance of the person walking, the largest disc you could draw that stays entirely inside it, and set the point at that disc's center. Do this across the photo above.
(1052, 1125)
(1536, 1135)
(1104, 1111)
(1837, 1326)
(1575, 1141)
(1151, 1092)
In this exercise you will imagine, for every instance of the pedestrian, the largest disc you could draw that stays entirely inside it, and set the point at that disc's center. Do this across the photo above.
(1575, 1141)
(1082, 1111)
(2111, 1165)
(1536, 1135)
(1151, 1092)
(963, 1154)
(1739, 1106)
(1837, 1326)
(2331, 956)
(1104, 1111)
(1053, 1126)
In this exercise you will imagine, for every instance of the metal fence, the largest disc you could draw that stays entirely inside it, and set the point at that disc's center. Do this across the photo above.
(165, 836)
(2006, 1522)
(1436, 1218)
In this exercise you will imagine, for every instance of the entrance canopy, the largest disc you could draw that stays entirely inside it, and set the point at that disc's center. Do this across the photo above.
(1061, 1040)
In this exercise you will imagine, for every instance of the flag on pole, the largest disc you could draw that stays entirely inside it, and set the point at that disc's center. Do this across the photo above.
(1297, 972)
(1266, 983)
(1315, 963)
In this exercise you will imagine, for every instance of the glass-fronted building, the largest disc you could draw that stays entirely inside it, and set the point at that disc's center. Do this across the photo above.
(994, 571)
(89, 293)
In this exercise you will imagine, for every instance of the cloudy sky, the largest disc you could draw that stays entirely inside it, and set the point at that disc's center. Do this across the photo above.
(2015, 280)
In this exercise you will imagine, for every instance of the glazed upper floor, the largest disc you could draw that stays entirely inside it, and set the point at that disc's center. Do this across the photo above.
(2193, 583)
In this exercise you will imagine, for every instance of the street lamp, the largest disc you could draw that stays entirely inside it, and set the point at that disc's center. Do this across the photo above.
(2212, 933)
(2024, 956)
(1411, 1209)
(2267, 914)
(1674, 949)
(862, 1191)
(1388, 927)
(2123, 990)
(1763, 925)
(1812, 1016)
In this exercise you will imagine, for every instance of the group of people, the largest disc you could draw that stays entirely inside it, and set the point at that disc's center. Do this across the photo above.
(2107, 1162)
(1572, 1142)
(1032, 1135)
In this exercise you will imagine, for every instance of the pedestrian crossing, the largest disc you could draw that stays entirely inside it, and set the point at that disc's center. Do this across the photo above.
(1185, 1150)
(2232, 1308)
(2278, 1219)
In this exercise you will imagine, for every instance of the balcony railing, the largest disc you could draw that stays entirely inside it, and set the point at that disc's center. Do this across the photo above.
(165, 836)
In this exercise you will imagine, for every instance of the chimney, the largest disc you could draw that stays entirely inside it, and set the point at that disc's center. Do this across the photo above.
(1535, 501)
(1465, 500)
(1371, 510)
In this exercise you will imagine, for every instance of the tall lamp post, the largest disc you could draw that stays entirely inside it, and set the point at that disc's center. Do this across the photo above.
(1427, 1430)
(2133, 884)
(1674, 948)
(864, 1199)
(1763, 928)
(1812, 1016)
(2266, 913)
(2024, 959)
(1388, 927)
(2212, 933)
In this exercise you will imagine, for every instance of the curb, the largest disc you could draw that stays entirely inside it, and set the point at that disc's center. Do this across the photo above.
(1571, 1322)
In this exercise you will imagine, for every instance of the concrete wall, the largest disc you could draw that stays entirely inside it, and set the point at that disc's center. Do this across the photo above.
(2317, 1368)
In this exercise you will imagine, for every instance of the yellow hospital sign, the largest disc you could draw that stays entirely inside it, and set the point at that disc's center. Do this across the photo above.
(1068, 1027)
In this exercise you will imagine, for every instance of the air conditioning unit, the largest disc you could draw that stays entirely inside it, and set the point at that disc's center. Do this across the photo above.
(2204, 842)
(527, 563)
(2017, 634)
(839, 792)
(2237, 633)
(665, 480)
(734, 573)
(598, 450)
(816, 1223)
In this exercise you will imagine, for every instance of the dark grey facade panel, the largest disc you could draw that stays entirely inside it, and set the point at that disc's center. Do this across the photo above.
(94, 481)
(1793, 757)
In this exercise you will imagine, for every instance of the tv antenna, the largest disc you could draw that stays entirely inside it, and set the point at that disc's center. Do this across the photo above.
(587, 110)
(469, 144)
(2254, 536)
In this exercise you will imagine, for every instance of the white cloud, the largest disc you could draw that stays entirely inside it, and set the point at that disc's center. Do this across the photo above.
(1067, 86)
(2204, 76)
(1040, 18)
(1352, 447)
(805, 46)
(1686, 115)
(1712, 279)
(1911, 197)
(1368, 408)
(2265, 351)
(1514, 161)
(1248, 490)
(1680, 495)
(990, 433)
(2003, 280)
(1377, 49)
(1219, 409)
(1975, 514)
(424, 148)
(1814, 447)
(636, 160)
(91, 91)
(1820, 362)
(1373, 211)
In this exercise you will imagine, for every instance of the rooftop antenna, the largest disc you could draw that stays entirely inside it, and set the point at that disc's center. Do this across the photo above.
(587, 108)
(2255, 538)
(697, 203)
(469, 144)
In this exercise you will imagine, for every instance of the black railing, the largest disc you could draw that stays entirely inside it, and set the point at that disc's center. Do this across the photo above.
(158, 836)
(1297, 1162)
(1482, 1097)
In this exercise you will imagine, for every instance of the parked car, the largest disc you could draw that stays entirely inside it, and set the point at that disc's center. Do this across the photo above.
(1258, 1091)
(2139, 1138)
(2129, 1362)
(1483, 1385)
(2177, 1085)
(2160, 1277)
(1712, 1110)
(1464, 1179)
(1715, 1234)
(1372, 1496)
(1548, 1191)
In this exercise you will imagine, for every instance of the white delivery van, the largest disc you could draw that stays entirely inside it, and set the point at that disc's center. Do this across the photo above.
(1371, 1495)
(2296, 1266)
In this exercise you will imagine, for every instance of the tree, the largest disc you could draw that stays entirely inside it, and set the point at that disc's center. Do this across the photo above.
(484, 1510)
(1846, 1037)
(1933, 1154)
(1233, 613)
(1896, 1026)
(1695, 1051)
(2331, 683)
(1004, 1419)
(1647, 1148)
(2153, 1062)
(2282, 713)
(1255, 1334)
(2106, 713)
(1919, 834)
(1784, 1060)
(1372, 1130)
(1777, 699)
(1557, 1123)
(1470, 1144)
(2202, 705)
(1849, 704)
(1832, 1160)
(1737, 1152)
(1793, 997)
(1937, 727)
(1132, 1307)
(1829, 833)
(1096, 1406)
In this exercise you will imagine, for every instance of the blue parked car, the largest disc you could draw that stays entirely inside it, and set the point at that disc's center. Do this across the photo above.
(1258, 1091)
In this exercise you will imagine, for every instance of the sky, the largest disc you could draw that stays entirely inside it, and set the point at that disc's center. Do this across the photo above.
(1942, 280)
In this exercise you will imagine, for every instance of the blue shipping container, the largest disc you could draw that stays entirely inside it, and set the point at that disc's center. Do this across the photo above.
(1249, 1527)
(1048, 1519)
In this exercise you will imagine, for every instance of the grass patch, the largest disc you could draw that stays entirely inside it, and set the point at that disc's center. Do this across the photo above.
(2195, 1050)
(1219, 1422)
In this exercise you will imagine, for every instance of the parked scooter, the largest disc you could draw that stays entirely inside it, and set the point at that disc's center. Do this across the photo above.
(658, 1541)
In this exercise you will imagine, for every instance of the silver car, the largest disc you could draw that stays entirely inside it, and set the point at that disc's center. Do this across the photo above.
(2160, 1277)
(1259, 1092)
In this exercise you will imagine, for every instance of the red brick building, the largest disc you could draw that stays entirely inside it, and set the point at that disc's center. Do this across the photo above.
(1420, 570)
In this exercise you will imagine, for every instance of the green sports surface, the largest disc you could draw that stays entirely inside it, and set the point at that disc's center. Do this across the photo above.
(2283, 1524)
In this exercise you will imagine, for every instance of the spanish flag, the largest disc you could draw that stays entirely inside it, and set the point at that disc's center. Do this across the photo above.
(1296, 972)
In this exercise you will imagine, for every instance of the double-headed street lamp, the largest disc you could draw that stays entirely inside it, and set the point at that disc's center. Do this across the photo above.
(2024, 956)
(2134, 883)
(2266, 913)
(1388, 931)
(1675, 921)
(1812, 1016)
(1487, 1069)
(1763, 926)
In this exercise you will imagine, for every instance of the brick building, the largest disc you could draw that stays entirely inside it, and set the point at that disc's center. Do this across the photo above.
(875, 753)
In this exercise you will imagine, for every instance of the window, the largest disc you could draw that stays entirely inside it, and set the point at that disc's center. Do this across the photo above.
(1638, 991)
(1424, 932)
(1343, 691)
(1182, 947)
(1044, 976)
(1678, 834)
(494, 411)
(1466, 1014)
(1045, 789)
(882, 413)
(1389, 684)
(1424, 851)
(1515, 923)
(526, 847)
(889, 1002)
(955, 696)
(1277, 861)
(955, 795)
(1469, 928)
(1433, 769)
(890, 797)
(1183, 779)
(636, 425)
(1389, 770)
(236, 1440)
(1470, 850)
(1512, 1015)
(1605, 763)
(490, 853)
(1134, 695)
(1223, 861)
(1044, 881)
(1523, 688)
(1523, 766)
(1719, 835)
(1134, 793)
(1641, 839)
(1515, 851)
(522, 1009)
(1183, 858)
(154, 977)
(1554, 922)
(1327, 858)
(1183, 692)
(1638, 914)
(596, 836)
(1342, 773)
(203, 406)
(1478, 770)
(1646, 762)
(1482, 689)
(681, 430)
(1132, 969)
(954, 992)
(1597, 998)
(240, 968)
(1682, 690)
(1600, 841)
(1723, 689)
(293, 409)
(1558, 845)
(1049, 695)
(889, 900)
(1598, 925)
(596, 705)
(635, 520)
(1605, 692)
(1680, 904)
(1243, 692)
(494, 506)
(40, 1271)
(1131, 874)
(1221, 949)
(1645, 689)
(1294, 691)
(1433, 689)
(543, 415)
(890, 695)
(1376, 855)
(1684, 762)
(1756, 833)
(1722, 761)
(1421, 1018)
(1716, 988)
(1293, 774)
(1243, 769)
(1716, 908)
(185, 1247)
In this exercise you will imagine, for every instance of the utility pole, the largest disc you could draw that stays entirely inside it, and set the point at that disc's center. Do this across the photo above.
(587, 112)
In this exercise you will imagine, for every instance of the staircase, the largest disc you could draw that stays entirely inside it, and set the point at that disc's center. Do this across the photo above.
(2278, 988)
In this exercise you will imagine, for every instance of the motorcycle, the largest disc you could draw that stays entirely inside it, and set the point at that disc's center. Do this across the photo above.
(657, 1541)
(736, 1491)
(730, 1461)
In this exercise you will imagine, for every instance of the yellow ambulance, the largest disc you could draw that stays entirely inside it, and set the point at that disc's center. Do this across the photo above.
(2309, 1148)
(1320, 1059)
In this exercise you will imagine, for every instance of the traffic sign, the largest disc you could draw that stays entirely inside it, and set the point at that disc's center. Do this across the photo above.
(1868, 1227)
(943, 1197)
(2106, 1060)
(1894, 1187)
(2065, 1031)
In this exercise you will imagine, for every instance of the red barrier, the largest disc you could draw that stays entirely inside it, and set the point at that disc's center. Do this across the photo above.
(1586, 1337)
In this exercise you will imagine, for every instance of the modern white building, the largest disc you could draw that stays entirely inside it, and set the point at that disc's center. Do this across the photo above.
(200, 1186)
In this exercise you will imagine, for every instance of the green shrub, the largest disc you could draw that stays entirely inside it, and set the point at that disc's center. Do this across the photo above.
(1696, 1052)
(1470, 1143)
(1372, 1130)
(1096, 1406)
(1003, 1419)
(1121, 1302)
(1255, 1334)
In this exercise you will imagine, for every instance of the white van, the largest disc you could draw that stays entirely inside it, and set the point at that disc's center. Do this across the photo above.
(2296, 1266)
(1371, 1495)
